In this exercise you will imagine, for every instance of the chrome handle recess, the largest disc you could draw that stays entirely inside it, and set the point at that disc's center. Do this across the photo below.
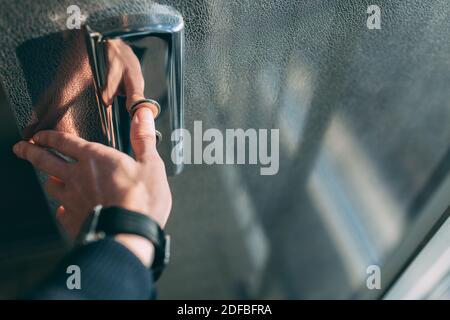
(139, 55)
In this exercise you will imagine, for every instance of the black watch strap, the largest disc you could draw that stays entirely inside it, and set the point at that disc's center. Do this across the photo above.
(116, 220)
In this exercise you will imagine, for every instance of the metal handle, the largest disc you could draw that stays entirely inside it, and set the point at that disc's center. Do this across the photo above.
(139, 55)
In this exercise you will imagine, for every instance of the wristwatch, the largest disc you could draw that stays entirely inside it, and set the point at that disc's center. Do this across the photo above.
(110, 221)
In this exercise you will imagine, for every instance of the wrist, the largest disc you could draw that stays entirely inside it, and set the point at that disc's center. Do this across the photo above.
(141, 247)
(137, 232)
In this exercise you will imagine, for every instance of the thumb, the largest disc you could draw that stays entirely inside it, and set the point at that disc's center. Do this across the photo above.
(142, 134)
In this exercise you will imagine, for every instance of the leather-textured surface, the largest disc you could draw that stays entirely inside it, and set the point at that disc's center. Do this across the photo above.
(363, 117)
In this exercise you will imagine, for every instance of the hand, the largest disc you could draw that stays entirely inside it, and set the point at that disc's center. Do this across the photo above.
(102, 175)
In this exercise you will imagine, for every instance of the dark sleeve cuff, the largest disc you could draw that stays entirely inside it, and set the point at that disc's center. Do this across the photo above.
(108, 270)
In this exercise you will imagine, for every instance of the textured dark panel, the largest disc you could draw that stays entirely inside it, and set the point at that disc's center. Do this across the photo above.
(360, 113)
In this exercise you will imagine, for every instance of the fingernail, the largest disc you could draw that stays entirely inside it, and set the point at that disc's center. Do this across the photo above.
(36, 137)
(16, 148)
(143, 114)
(105, 98)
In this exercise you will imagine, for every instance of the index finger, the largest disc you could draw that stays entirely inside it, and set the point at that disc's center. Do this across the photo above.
(65, 143)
